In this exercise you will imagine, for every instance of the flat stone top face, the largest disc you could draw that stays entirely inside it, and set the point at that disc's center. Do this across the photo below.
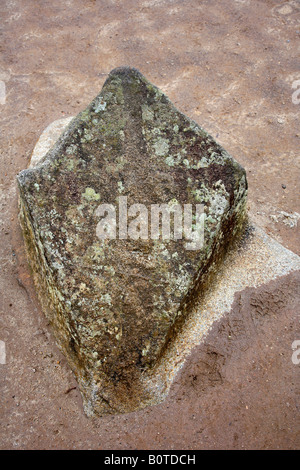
(121, 297)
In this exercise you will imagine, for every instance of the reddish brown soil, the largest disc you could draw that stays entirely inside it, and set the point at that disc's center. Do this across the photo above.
(230, 66)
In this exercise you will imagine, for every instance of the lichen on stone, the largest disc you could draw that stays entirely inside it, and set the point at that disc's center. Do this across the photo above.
(115, 304)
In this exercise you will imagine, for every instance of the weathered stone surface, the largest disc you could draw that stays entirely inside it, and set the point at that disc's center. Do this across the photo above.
(114, 304)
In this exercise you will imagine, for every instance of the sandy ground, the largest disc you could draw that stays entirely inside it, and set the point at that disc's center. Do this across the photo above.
(230, 66)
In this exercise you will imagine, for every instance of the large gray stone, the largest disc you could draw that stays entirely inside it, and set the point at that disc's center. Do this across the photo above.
(115, 304)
